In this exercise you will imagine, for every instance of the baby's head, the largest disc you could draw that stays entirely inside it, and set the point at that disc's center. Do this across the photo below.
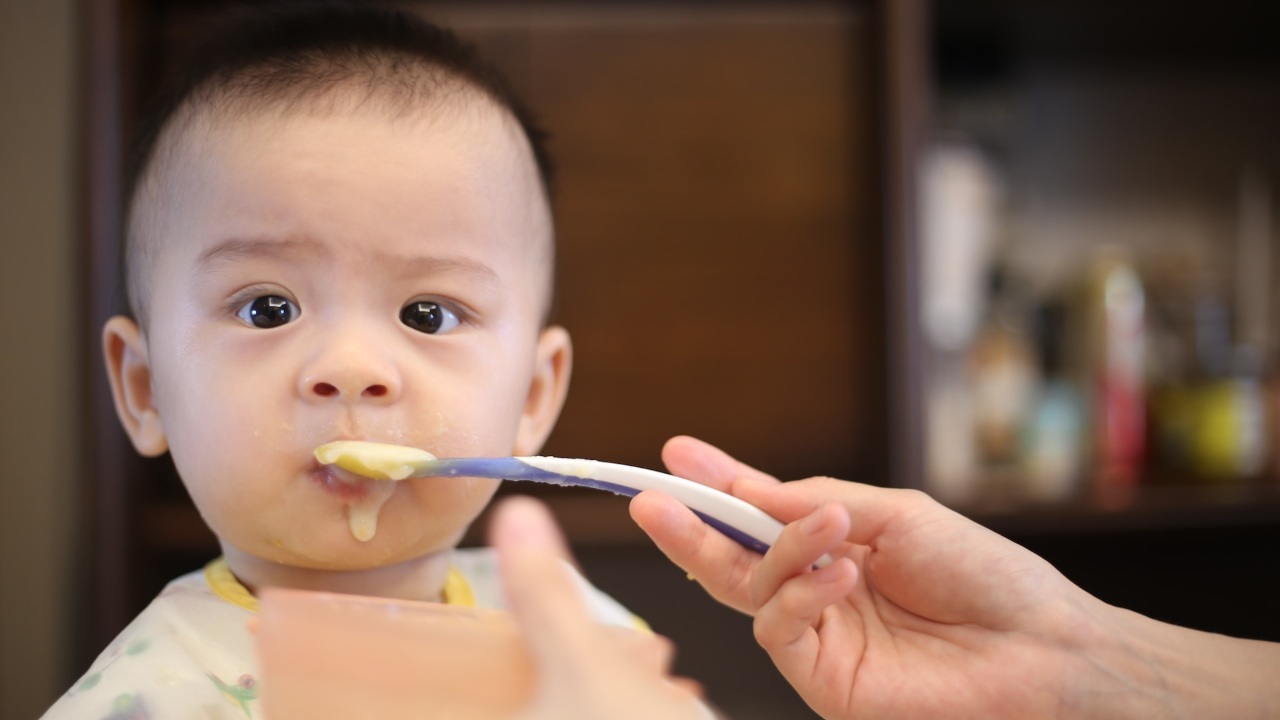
(338, 229)
(315, 58)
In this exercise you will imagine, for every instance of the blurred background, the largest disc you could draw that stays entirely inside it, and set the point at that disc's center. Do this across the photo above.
(1017, 254)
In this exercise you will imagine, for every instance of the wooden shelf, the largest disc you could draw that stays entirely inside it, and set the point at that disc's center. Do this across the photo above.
(1140, 508)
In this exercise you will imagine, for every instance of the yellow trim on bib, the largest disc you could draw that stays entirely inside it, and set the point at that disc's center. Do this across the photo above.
(223, 583)
(457, 591)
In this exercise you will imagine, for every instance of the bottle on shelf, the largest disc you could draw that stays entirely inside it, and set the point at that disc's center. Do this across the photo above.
(1229, 438)
(1003, 375)
(1053, 436)
(1209, 415)
(1117, 358)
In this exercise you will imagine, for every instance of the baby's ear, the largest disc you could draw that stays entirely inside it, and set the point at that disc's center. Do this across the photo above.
(552, 365)
(129, 370)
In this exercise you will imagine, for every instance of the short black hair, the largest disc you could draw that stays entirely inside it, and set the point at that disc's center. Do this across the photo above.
(285, 52)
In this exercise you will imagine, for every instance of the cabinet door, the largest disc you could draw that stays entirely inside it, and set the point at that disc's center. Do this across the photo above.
(720, 265)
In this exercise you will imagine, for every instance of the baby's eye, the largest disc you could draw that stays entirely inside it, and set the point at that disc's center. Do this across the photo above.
(268, 311)
(428, 317)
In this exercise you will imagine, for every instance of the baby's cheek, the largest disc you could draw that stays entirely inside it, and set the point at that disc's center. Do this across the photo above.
(442, 509)
(460, 439)
(455, 500)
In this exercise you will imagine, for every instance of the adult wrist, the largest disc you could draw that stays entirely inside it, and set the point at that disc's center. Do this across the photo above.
(1145, 668)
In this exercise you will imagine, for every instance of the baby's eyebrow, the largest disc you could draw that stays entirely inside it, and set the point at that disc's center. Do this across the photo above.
(233, 250)
(431, 265)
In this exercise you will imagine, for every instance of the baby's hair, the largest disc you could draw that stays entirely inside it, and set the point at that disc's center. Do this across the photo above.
(285, 54)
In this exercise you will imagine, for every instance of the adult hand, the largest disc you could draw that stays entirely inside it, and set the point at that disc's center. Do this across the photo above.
(586, 671)
(923, 613)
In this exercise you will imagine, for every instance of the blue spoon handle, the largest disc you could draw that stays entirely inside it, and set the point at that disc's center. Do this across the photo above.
(518, 470)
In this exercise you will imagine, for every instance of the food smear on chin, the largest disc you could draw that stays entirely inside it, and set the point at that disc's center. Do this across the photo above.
(377, 461)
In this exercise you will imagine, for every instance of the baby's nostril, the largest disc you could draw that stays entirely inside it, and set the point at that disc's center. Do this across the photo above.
(376, 390)
(324, 389)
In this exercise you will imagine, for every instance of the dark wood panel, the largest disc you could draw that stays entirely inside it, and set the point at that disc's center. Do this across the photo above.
(904, 116)
(720, 268)
(110, 461)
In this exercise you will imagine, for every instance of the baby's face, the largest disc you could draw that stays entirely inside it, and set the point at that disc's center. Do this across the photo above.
(344, 276)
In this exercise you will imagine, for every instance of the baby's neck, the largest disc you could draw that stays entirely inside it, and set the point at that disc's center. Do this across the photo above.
(418, 579)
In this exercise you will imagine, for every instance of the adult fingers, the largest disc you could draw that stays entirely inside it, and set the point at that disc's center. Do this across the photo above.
(797, 606)
(705, 463)
(791, 625)
(872, 510)
(798, 547)
(650, 651)
(721, 565)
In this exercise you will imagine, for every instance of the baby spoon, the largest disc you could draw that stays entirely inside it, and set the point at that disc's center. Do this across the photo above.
(744, 523)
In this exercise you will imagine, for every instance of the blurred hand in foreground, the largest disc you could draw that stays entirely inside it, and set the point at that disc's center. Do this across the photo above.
(585, 671)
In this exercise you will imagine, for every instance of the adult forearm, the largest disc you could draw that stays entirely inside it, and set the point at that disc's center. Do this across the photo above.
(1154, 669)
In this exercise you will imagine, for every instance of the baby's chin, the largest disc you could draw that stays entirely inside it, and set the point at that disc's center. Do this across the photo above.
(339, 553)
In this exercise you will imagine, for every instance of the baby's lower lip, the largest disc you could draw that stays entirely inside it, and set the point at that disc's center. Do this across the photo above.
(341, 483)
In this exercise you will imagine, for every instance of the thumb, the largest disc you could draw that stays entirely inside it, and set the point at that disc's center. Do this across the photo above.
(705, 463)
(541, 593)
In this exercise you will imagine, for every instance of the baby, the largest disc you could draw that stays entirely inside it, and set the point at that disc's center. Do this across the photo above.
(338, 228)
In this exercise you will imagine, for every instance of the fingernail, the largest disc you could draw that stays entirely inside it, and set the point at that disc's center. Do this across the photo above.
(525, 523)
(831, 574)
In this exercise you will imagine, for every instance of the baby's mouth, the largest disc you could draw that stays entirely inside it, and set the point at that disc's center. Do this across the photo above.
(346, 485)
(363, 497)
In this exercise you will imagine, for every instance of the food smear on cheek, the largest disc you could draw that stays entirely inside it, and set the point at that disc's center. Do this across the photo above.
(362, 512)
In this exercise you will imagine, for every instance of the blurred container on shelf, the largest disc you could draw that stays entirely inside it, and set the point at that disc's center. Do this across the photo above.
(1211, 417)
(1252, 417)
(1116, 351)
(960, 195)
(1003, 373)
(1211, 420)
(1053, 441)
(1229, 428)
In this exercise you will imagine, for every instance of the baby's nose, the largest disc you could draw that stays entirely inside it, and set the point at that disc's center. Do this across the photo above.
(350, 372)
(326, 389)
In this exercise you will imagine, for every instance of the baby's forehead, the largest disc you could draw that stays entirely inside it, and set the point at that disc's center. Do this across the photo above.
(243, 137)
(233, 136)
(208, 116)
